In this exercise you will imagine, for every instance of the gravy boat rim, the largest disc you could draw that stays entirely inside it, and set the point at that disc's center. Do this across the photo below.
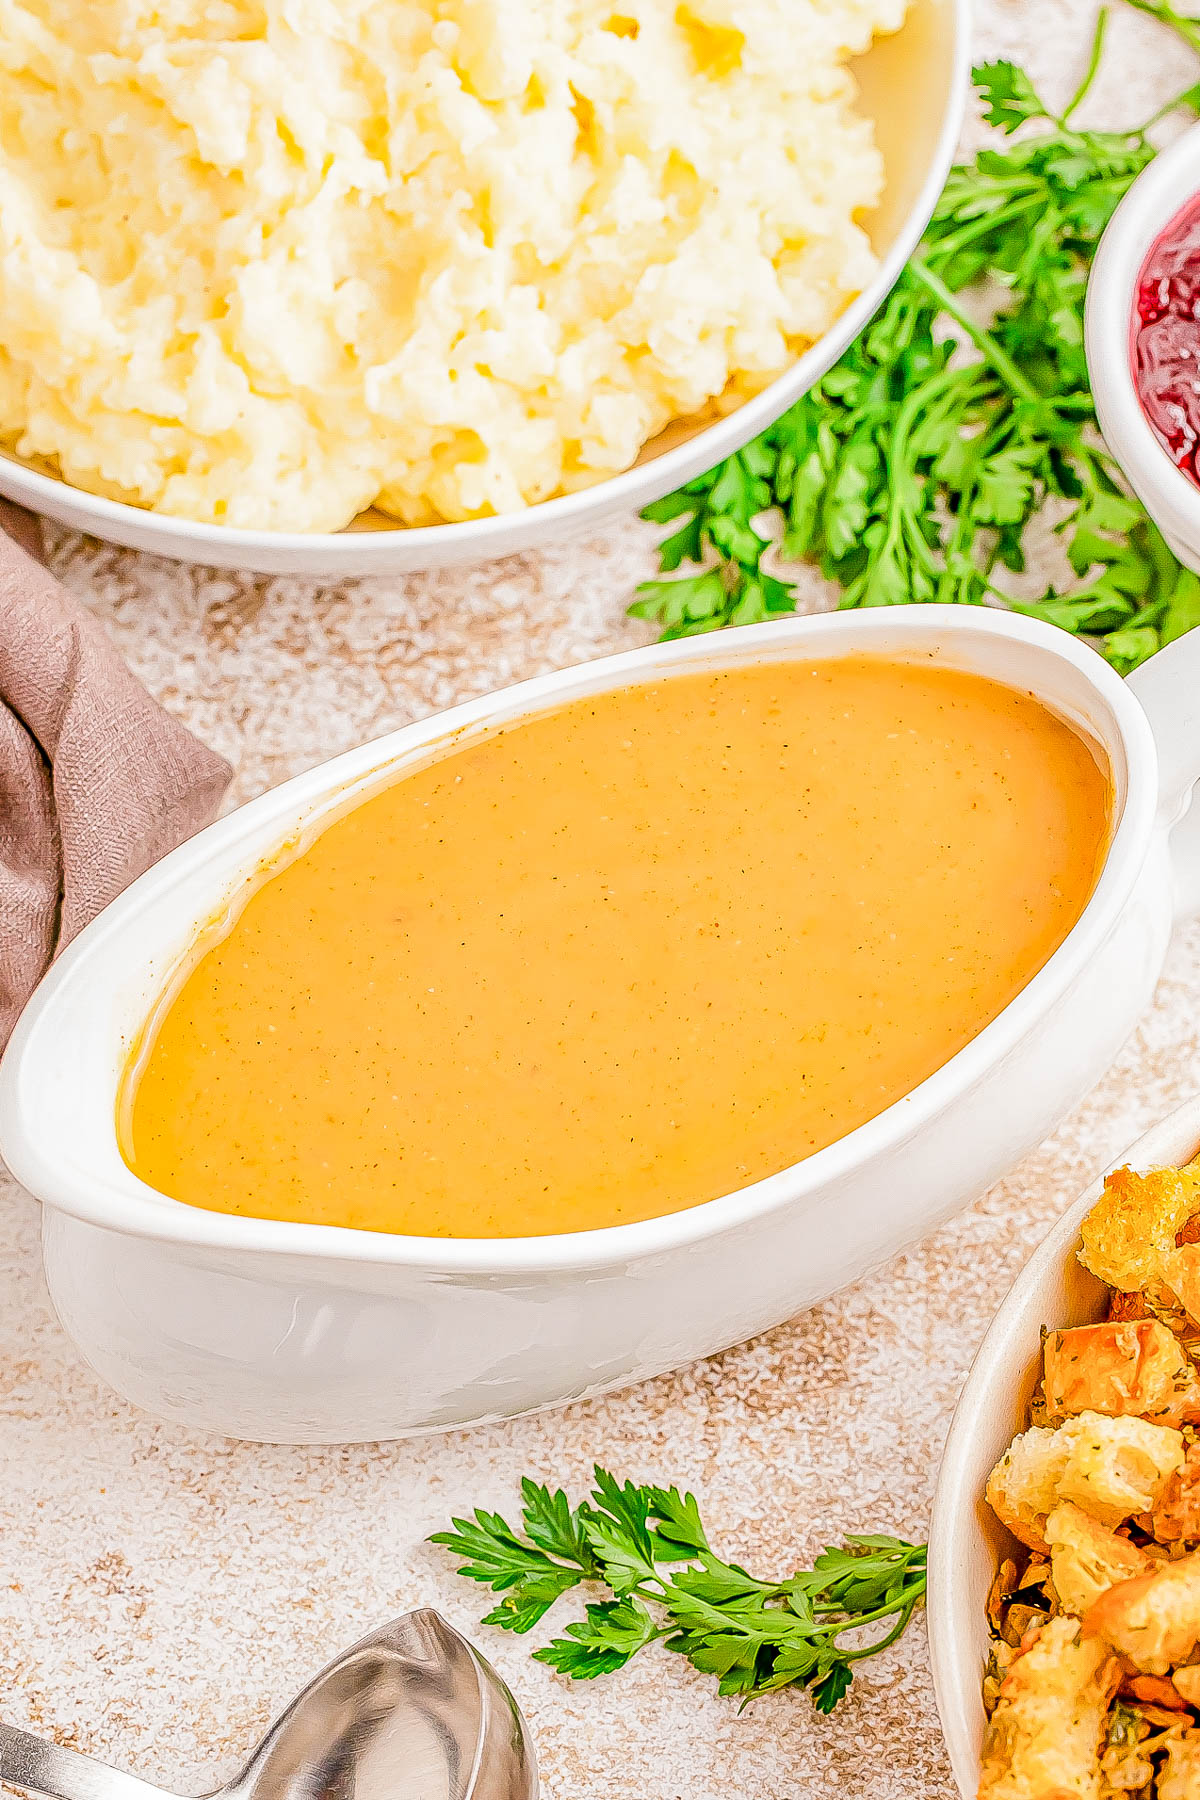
(119, 1201)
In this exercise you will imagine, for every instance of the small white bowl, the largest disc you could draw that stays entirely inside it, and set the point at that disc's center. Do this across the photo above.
(1161, 191)
(913, 85)
(262, 1328)
(966, 1541)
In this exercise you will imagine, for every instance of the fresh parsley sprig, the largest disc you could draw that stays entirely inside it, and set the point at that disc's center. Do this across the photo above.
(914, 469)
(648, 1546)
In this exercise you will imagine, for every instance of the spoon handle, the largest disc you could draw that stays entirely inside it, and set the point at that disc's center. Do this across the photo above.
(42, 1768)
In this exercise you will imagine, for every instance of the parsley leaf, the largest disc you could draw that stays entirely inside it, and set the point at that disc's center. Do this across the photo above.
(530, 1579)
(1009, 95)
(679, 1535)
(754, 1636)
(605, 1640)
(916, 467)
(552, 1524)
(618, 1530)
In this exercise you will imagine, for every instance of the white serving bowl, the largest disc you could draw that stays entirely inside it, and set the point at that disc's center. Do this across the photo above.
(293, 1332)
(913, 85)
(1160, 191)
(966, 1540)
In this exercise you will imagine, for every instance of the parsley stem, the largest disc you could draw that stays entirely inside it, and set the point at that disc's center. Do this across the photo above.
(948, 247)
(1188, 98)
(903, 1617)
(983, 340)
(1081, 91)
(901, 469)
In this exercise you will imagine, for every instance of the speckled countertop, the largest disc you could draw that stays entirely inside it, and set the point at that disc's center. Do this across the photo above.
(161, 1594)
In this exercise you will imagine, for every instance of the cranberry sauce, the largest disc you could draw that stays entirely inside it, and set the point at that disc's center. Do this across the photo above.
(1166, 338)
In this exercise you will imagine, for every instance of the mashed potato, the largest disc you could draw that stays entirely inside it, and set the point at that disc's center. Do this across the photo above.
(267, 262)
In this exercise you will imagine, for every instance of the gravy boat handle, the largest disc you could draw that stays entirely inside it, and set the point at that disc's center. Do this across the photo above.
(1168, 689)
(40, 1767)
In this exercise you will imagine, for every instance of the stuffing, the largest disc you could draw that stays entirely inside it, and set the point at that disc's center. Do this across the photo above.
(1117, 1368)
(1134, 1224)
(1179, 1778)
(1092, 1687)
(1087, 1558)
(1111, 1468)
(1152, 1620)
(1045, 1738)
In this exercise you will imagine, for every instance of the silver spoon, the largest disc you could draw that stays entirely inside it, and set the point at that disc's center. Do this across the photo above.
(411, 1712)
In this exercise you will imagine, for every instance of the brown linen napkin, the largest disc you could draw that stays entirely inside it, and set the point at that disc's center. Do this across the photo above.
(96, 780)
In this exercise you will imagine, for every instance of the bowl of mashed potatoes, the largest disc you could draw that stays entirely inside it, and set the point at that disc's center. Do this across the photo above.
(392, 284)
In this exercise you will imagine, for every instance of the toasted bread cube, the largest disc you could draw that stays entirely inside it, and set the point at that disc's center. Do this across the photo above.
(1187, 1685)
(1110, 1468)
(1154, 1619)
(1118, 1467)
(1133, 1225)
(1176, 1515)
(1045, 1737)
(1022, 1489)
(1136, 1368)
(1181, 1274)
(1179, 1777)
(1087, 1558)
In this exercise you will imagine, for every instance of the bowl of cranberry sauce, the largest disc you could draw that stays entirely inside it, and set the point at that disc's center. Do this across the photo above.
(1142, 336)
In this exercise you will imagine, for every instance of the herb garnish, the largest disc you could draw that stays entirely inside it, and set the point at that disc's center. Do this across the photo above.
(913, 470)
(755, 1636)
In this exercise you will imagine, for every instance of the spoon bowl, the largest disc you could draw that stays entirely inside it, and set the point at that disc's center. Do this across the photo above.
(410, 1712)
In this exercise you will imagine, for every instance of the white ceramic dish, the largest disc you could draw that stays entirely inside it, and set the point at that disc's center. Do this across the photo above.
(966, 1542)
(1171, 499)
(308, 1333)
(913, 86)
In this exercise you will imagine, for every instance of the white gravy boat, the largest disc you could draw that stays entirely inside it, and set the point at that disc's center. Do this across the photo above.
(310, 1333)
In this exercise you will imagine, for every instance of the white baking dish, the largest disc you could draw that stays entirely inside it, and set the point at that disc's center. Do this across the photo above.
(310, 1333)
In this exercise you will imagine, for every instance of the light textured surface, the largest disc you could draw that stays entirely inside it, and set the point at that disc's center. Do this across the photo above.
(162, 1594)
